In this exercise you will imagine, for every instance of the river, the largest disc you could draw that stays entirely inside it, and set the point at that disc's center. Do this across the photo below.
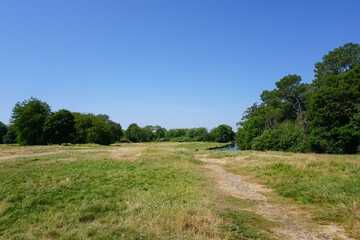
(231, 148)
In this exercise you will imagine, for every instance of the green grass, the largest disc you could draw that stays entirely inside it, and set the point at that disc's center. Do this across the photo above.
(328, 184)
(144, 191)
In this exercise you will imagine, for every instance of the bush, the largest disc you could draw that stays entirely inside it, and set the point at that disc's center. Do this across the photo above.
(287, 137)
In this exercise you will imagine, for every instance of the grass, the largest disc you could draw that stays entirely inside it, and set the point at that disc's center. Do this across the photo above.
(328, 185)
(131, 191)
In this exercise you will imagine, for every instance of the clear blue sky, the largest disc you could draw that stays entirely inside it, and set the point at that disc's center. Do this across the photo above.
(185, 63)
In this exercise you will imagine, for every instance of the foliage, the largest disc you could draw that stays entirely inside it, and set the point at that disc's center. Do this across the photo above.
(222, 134)
(320, 117)
(288, 136)
(134, 133)
(28, 118)
(3, 131)
(252, 126)
(10, 136)
(188, 134)
(159, 132)
(59, 127)
(148, 134)
(339, 60)
(334, 113)
(98, 129)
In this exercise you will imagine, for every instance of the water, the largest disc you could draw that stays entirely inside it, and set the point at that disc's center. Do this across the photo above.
(231, 148)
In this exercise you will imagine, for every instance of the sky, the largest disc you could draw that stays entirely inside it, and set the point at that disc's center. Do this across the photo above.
(173, 63)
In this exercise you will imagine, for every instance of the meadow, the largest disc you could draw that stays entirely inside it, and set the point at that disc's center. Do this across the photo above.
(166, 191)
(128, 191)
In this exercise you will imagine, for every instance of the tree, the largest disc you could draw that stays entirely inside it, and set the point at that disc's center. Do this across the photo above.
(252, 125)
(223, 133)
(116, 130)
(98, 129)
(147, 134)
(339, 60)
(10, 136)
(3, 131)
(286, 102)
(83, 122)
(159, 132)
(333, 112)
(134, 133)
(100, 133)
(28, 118)
(60, 127)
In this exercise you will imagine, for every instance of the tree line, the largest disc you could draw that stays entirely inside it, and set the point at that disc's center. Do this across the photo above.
(33, 123)
(322, 117)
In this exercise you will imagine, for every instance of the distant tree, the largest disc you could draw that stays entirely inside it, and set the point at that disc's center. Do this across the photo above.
(100, 133)
(172, 134)
(28, 118)
(83, 122)
(223, 133)
(3, 131)
(116, 130)
(59, 127)
(134, 133)
(147, 134)
(197, 134)
(10, 136)
(159, 132)
(98, 129)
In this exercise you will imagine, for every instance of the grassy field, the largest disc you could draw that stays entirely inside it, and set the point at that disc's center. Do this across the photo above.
(129, 191)
(162, 191)
(326, 185)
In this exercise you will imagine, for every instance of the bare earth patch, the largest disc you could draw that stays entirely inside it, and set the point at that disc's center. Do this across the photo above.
(294, 222)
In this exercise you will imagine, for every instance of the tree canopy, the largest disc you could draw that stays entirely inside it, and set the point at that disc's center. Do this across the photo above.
(59, 127)
(28, 118)
(319, 117)
(3, 131)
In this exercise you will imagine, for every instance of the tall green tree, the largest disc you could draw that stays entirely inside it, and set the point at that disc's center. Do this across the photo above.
(159, 132)
(333, 110)
(287, 101)
(116, 130)
(134, 133)
(83, 122)
(223, 133)
(147, 133)
(3, 131)
(337, 61)
(28, 118)
(59, 127)
(100, 132)
(98, 129)
(10, 136)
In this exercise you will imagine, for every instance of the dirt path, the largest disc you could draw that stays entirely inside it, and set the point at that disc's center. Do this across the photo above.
(294, 223)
